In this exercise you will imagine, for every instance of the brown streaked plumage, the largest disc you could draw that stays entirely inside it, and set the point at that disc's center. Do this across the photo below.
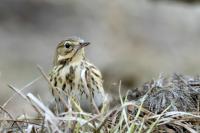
(75, 75)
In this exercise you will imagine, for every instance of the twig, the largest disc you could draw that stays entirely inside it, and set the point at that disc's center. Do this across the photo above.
(116, 109)
(29, 84)
(21, 121)
(17, 91)
(11, 117)
(24, 97)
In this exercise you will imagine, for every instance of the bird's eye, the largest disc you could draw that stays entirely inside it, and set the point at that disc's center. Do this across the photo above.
(67, 46)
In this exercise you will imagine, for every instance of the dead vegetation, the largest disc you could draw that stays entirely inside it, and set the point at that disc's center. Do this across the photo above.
(168, 104)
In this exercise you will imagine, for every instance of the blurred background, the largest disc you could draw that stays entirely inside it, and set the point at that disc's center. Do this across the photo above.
(132, 40)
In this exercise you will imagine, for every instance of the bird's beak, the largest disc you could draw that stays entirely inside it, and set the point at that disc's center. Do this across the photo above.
(84, 44)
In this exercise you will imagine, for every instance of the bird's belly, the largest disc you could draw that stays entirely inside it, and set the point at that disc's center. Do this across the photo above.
(78, 91)
(73, 84)
(85, 100)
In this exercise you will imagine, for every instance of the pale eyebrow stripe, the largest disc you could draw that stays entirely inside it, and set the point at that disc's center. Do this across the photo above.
(69, 42)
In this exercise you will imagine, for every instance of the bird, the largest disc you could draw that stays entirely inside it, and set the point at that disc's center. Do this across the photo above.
(76, 77)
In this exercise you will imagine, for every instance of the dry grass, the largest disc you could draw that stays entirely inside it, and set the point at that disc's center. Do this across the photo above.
(163, 105)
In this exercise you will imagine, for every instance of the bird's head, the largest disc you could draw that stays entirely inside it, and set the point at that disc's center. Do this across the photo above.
(69, 50)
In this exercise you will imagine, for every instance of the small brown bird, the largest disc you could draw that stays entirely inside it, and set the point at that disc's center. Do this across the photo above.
(76, 76)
